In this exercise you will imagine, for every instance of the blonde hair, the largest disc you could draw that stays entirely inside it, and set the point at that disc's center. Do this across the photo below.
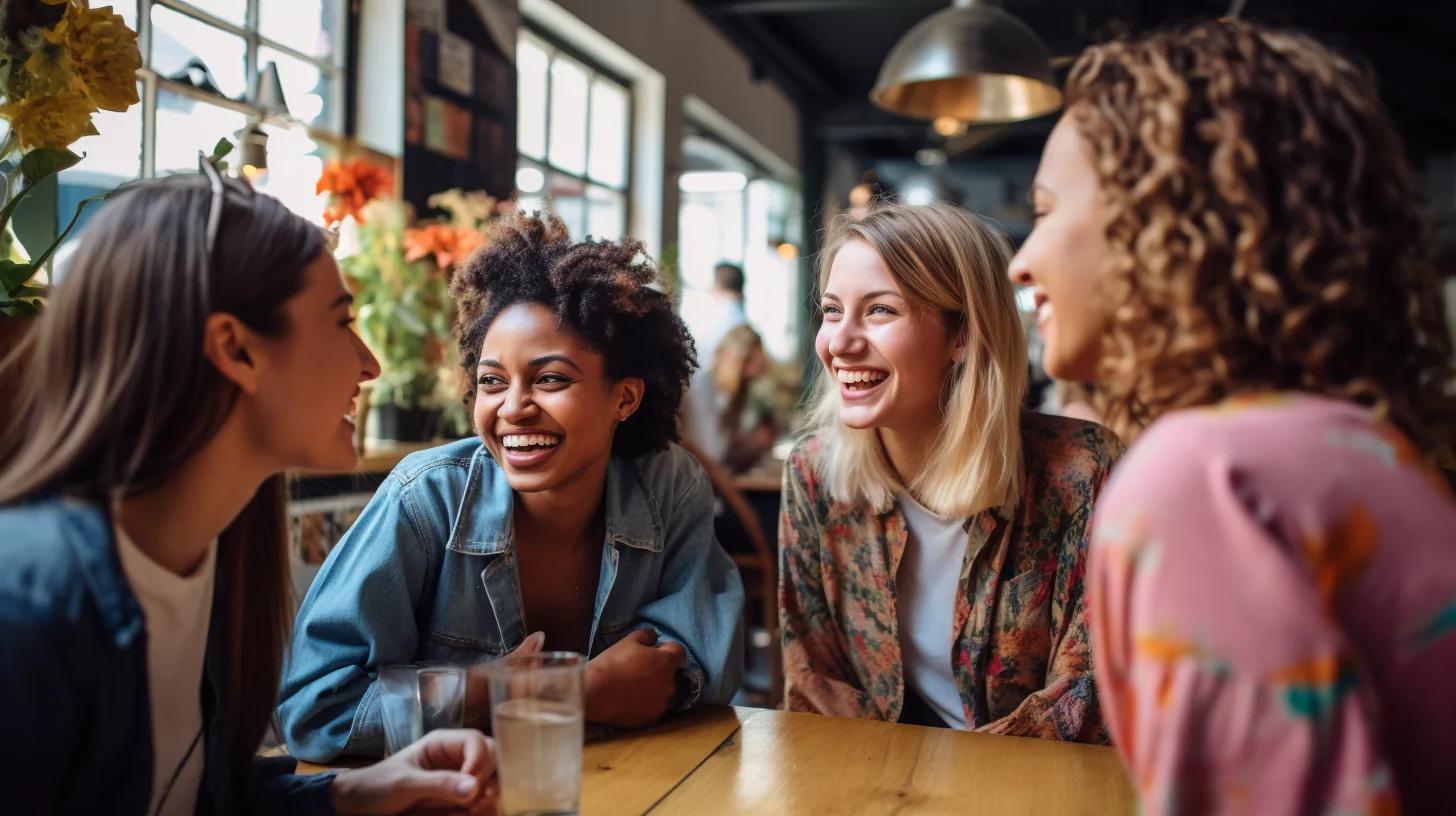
(942, 258)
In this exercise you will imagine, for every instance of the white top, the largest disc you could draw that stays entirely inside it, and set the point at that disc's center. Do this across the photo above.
(925, 596)
(177, 612)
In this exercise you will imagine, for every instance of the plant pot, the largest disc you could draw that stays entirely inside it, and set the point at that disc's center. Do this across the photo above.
(395, 424)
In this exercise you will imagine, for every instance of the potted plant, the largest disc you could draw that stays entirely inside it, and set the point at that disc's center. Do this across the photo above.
(445, 244)
(60, 63)
(399, 273)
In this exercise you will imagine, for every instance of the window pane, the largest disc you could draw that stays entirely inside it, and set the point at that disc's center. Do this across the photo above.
(606, 213)
(565, 196)
(110, 159)
(307, 89)
(308, 26)
(531, 105)
(530, 178)
(294, 164)
(185, 126)
(128, 11)
(568, 115)
(178, 39)
(232, 11)
(608, 133)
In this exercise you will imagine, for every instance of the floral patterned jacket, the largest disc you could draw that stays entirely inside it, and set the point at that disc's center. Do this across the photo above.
(1022, 656)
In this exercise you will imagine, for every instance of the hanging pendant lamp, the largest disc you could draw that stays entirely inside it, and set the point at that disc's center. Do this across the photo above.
(972, 62)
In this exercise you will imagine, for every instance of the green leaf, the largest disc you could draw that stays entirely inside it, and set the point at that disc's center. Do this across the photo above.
(30, 292)
(220, 152)
(13, 275)
(20, 308)
(45, 256)
(412, 321)
(46, 161)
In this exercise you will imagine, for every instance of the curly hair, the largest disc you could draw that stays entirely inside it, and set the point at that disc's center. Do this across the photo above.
(598, 289)
(1266, 233)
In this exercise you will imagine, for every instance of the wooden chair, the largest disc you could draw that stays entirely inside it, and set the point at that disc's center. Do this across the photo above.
(759, 568)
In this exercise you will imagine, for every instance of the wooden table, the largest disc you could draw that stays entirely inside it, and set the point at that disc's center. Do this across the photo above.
(746, 760)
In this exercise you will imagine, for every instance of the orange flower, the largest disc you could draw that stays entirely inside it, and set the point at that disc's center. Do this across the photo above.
(449, 245)
(352, 186)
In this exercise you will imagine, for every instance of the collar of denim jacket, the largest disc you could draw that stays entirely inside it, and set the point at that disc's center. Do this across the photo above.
(483, 520)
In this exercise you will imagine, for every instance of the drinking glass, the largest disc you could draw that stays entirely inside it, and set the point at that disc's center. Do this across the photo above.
(416, 699)
(537, 716)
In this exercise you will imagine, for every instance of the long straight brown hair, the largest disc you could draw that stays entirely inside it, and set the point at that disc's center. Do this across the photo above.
(116, 393)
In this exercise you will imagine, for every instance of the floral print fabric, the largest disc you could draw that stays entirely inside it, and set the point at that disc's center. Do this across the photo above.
(1022, 656)
(1273, 602)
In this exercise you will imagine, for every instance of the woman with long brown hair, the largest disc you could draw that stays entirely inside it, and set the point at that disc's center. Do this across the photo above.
(198, 346)
(1228, 242)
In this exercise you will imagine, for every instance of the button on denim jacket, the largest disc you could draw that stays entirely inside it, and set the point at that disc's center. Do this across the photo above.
(428, 572)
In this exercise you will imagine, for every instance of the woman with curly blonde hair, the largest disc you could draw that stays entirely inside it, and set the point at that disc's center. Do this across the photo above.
(1228, 241)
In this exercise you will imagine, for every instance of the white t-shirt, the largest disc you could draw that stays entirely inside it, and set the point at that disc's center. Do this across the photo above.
(177, 612)
(925, 596)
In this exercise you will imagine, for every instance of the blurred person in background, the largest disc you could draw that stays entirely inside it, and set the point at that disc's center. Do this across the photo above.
(735, 429)
(1228, 241)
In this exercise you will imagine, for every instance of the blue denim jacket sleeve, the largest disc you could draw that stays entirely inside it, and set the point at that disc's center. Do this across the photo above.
(700, 601)
(383, 564)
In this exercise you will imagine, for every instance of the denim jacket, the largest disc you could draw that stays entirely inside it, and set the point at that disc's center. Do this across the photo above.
(75, 707)
(428, 572)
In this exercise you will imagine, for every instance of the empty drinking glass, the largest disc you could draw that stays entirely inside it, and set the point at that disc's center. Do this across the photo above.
(536, 714)
(416, 699)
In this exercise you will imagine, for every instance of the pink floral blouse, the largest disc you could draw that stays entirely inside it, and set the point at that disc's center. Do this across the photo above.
(1272, 596)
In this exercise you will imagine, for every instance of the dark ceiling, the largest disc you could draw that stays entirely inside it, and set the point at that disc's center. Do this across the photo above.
(826, 54)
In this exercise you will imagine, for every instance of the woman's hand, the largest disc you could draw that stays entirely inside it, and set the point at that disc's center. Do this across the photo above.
(630, 684)
(447, 770)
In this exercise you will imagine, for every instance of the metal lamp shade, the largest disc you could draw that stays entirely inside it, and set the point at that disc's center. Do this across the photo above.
(267, 95)
(973, 62)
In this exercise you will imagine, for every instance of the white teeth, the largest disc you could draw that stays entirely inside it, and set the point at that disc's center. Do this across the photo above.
(529, 440)
(1043, 311)
(849, 377)
(349, 418)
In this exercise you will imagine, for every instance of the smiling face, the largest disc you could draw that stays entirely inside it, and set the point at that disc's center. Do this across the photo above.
(1064, 254)
(302, 411)
(544, 405)
(890, 355)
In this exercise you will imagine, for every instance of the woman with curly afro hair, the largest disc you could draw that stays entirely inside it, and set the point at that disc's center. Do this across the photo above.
(571, 523)
(1228, 242)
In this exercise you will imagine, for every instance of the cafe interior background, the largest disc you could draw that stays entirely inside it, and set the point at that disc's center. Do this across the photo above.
(711, 130)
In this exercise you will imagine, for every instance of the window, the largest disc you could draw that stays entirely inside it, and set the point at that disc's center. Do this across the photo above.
(573, 133)
(733, 211)
(198, 57)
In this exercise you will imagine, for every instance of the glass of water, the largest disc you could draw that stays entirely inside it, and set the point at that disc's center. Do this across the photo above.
(416, 699)
(537, 716)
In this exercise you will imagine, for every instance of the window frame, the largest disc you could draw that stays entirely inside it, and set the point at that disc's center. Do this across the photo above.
(334, 67)
(554, 47)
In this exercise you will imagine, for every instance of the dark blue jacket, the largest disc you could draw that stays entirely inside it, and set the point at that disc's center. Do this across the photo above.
(75, 717)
